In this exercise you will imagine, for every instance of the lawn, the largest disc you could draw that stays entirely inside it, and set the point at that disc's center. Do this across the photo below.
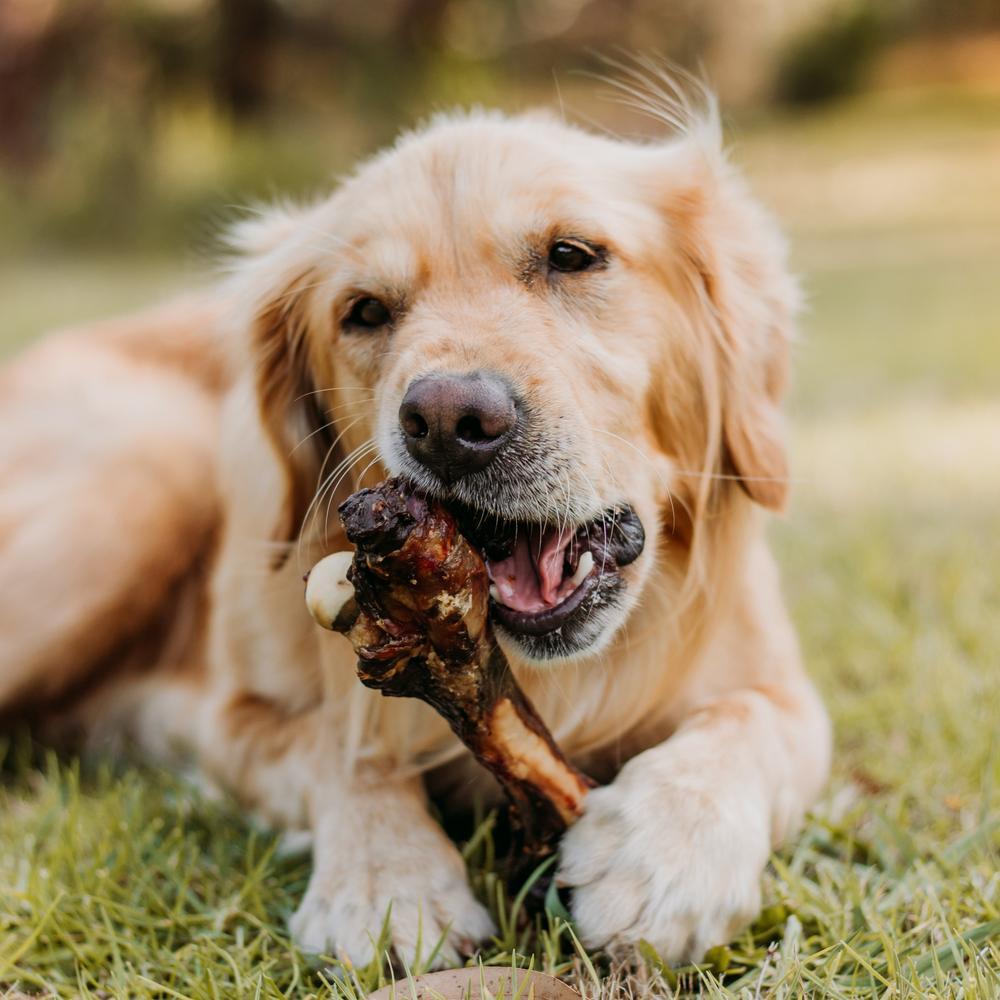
(123, 882)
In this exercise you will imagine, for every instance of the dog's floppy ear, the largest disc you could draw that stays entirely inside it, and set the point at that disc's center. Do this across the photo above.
(736, 262)
(274, 286)
(290, 407)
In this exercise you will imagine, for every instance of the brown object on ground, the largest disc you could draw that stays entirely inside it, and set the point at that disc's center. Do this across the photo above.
(478, 983)
(418, 622)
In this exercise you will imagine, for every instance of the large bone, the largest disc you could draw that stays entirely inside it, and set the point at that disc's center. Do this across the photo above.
(413, 602)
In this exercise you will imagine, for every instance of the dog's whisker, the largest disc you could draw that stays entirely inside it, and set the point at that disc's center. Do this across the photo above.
(326, 458)
(329, 491)
(332, 481)
(310, 435)
(563, 522)
(313, 508)
(336, 388)
(323, 427)
(700, 474)
(649, 464)
(364, 472)
(332, 493)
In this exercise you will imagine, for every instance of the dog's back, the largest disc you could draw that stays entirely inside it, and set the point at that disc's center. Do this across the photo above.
(107, 497)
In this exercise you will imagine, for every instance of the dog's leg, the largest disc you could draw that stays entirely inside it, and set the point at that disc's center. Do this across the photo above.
(375, 847)
(674, 849)
(375, 844)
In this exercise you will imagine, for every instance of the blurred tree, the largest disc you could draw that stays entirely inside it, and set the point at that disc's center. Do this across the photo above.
(38, 38)
(248, 34)
(121, 114)
(830, 59)
(954, 15)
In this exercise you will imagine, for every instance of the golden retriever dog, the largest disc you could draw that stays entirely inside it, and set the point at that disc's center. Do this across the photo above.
(554, 329)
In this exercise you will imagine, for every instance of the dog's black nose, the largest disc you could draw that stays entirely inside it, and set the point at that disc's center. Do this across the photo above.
(456, 424)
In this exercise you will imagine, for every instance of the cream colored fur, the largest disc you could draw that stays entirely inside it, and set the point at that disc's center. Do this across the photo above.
(157, 512)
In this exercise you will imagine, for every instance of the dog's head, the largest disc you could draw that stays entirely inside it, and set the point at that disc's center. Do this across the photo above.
(578, 342)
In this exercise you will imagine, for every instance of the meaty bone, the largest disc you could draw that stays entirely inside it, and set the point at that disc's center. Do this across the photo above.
(413, 602)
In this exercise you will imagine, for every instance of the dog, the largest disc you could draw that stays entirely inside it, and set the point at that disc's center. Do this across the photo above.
(541, 324)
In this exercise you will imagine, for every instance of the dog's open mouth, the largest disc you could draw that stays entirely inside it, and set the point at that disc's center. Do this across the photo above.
(544, 577)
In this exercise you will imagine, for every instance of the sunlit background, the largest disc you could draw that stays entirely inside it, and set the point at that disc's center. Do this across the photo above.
(131, 131)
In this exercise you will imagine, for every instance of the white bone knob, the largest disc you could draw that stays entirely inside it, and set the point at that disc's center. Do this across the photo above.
(328, 589)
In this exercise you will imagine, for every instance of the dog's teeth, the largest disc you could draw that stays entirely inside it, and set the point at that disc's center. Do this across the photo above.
(495, 593)
(585, 566)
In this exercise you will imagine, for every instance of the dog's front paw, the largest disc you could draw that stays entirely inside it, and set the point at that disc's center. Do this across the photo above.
(421, 887)
(662, 855)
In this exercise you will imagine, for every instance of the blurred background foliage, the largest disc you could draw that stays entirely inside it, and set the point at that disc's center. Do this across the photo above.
(137, 123)
(132, 130)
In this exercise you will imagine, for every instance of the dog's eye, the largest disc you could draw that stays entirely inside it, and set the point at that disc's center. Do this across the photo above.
(567, 256)
(368, 312)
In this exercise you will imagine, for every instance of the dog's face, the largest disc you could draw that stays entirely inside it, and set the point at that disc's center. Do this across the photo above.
(564, 336)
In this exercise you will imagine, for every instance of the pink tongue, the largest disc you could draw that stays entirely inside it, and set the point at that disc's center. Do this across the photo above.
(530, 578)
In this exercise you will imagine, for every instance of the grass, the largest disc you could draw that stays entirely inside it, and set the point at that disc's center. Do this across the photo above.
(41, 293)
(124, 882)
